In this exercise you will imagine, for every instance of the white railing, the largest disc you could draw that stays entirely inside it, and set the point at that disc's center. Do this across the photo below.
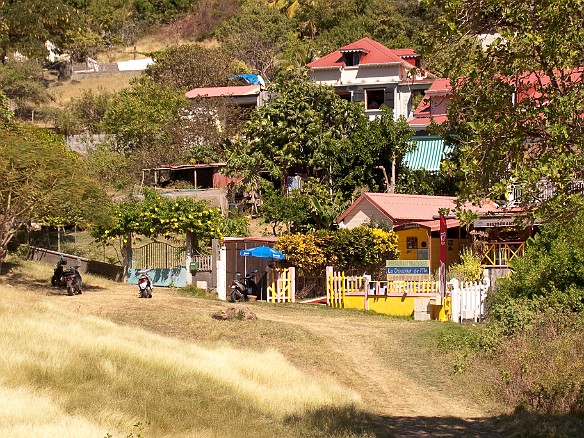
(468, 300)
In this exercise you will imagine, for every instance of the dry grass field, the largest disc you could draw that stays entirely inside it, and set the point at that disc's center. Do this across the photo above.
(106, 363)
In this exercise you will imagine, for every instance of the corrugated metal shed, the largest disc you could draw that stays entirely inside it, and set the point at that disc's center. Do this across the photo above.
(430, 151)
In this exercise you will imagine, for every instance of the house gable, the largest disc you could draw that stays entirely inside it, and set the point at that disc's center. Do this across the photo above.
(367, 71)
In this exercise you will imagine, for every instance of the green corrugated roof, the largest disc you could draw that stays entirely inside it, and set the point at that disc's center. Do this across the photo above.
(430, 151)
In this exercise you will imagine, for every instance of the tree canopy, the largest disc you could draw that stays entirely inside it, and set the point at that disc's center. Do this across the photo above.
(307, 129)
(517, 115)
(41, 179)
(189, 66)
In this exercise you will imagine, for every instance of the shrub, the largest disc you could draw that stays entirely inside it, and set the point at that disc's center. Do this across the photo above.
(541, 368)
(469, 268)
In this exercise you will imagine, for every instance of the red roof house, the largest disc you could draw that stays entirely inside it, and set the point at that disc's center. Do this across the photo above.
(367, 71)
(397, 209)
(243, 95)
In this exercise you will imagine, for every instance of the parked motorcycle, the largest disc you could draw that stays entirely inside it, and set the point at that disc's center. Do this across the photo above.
(69, 278)
(145, 284)
(241, 287)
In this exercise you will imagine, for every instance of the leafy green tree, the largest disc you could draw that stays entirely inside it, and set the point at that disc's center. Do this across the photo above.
(256, 35)
(157, 216)
(304, 125)
(138, 115)
(517, 116)
(190, 66)
(23, 83)
(41, 178)
(26, 25)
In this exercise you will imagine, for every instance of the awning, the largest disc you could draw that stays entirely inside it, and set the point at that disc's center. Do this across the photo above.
(430, 151)
(433, 225)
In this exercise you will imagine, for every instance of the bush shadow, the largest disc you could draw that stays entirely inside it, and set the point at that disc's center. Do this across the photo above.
(347, 421)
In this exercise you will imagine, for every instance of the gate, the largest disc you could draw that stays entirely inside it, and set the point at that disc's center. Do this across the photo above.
(165, 263)
(281, 285)
(468, 300)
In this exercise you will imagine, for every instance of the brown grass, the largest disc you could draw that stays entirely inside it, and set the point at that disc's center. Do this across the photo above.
(405, 385)
(63, 92)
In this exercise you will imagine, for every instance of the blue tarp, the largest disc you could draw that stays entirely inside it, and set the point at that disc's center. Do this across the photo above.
(250, 79)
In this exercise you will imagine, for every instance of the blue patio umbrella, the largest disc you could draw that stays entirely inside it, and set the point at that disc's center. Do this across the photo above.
(263, 252)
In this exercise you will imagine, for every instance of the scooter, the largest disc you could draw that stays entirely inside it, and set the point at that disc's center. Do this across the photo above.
(68, 278)
(145, 284)
(241, 287)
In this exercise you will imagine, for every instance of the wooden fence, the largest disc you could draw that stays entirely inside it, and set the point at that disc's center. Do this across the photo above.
(500, 254)
(464, 301)
(282, 286)
(468, 300)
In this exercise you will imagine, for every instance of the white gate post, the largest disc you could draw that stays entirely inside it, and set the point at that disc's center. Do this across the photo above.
(189, 257)
(222, 273)
(455, 301)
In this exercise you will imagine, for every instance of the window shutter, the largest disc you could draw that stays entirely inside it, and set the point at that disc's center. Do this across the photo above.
(358, 96)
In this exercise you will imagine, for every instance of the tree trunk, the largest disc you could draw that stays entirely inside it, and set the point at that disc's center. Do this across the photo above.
(3, 252)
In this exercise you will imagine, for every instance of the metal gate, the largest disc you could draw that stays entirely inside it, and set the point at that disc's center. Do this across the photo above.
(158, 255)
(164, 262)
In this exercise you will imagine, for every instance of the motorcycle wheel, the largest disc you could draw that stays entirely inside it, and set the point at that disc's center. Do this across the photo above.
(78, 289)
(70, 290)
(237, 296)
(53, 281)
(144, 292)
(149, 292)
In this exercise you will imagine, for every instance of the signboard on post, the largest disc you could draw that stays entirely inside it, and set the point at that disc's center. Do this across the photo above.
(407, 270)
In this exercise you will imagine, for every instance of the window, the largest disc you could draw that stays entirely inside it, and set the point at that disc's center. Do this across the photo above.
(352, 59)
(346, 95)
(411, 242)
(375, 98)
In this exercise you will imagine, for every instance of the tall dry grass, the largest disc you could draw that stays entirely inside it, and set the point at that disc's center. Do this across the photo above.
(64, 374)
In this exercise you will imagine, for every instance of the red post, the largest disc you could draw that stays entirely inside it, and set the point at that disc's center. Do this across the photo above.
(442, 270)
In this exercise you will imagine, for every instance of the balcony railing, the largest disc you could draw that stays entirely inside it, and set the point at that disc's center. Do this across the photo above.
(500, 254)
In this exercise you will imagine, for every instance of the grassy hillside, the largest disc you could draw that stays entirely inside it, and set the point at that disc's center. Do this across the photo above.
(66, 374)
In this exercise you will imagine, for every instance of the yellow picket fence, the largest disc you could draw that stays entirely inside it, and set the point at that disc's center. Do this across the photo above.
(282, 285)
(403, 298)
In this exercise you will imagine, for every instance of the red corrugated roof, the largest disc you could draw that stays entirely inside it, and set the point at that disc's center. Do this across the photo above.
(237, 90)
(375, 53)
(440, 86)
(400, 207)
(409, 53)
(427, 121)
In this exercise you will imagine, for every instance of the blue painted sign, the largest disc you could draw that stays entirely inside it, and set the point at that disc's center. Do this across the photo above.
(407, 270)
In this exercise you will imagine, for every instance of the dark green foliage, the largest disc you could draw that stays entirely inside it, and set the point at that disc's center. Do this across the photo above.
(516, 118)
(138, 115)
(307, 129)
(551, 274)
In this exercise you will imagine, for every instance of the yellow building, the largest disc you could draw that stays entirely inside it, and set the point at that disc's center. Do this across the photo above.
(421, 241)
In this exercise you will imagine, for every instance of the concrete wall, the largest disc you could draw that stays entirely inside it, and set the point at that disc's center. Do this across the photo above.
(113, 272)
(363, 214)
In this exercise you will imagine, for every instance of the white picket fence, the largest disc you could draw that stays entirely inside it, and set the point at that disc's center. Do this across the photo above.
(468, 300)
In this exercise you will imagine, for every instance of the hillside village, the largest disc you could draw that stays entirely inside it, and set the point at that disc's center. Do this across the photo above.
(412, 159)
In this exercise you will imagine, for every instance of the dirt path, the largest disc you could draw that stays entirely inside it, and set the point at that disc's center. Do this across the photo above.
(404, 403)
